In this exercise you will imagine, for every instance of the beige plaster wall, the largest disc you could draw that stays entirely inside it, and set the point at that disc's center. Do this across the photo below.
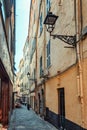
(62, 58)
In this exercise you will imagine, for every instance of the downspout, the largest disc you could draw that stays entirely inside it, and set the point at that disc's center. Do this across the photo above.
(44, 65)
(78, 23)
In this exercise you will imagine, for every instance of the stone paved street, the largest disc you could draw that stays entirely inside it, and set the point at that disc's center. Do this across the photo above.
(23, 119)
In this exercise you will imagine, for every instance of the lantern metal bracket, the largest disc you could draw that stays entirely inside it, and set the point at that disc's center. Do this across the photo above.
(50, 21)
(71, 40)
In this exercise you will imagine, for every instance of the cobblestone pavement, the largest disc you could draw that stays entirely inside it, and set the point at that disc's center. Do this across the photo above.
(23, 119)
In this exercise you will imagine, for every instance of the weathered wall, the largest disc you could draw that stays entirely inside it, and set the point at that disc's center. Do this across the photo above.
(62, 59)
(72, 103)
(85, 89)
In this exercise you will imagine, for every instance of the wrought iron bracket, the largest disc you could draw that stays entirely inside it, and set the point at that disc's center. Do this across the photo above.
(34, 80)
(71, 40)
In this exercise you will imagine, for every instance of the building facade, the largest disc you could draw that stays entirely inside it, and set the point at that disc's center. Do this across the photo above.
(32, 36)
(68, 83)
(22, 80)
(7, 54)
(60, 68)
(26, 58)
(67, 73)
(16, 88)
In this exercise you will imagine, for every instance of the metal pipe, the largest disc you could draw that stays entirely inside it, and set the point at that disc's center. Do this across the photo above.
(78, 21)
(44, 64)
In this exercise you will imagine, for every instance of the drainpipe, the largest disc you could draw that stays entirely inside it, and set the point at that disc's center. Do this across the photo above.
(78, 23)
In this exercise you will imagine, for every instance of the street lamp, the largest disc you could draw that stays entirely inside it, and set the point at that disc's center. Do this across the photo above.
(35, 81)
(28, 75)
(32, 79)
(28, 103)
(50, 21)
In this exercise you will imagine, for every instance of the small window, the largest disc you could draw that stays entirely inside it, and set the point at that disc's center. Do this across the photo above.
(41, 23)
(48, 55)
(34, 73)
(48, 6)
(34, 18)
(3, 10)
(40, 65)
(60, 2)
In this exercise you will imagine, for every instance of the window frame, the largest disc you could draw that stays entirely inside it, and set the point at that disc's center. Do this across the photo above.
(48, 55)
(41, 69)
(41, 23)
(48, 6)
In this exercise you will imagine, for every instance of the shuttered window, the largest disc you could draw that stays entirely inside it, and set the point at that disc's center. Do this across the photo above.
(48, 6)
(3, 10)
(48, 55)
(41, 23)
(40, 65)
(34, 73)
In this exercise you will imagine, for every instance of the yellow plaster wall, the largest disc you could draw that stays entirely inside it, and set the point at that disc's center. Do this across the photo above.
(85, 90)
(72, 102)
(84, 10)
(51, 95)
(64, 58)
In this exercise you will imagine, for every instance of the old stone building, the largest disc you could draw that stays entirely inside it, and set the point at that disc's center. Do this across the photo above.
(21, 77)
(60, 68)
(26, 58)
(7, 54)
(32, 36)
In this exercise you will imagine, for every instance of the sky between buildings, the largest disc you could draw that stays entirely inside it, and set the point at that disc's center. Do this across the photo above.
(22, 22)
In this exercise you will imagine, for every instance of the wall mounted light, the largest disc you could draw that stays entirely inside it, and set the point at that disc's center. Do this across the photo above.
(50, 21)
(28, 75)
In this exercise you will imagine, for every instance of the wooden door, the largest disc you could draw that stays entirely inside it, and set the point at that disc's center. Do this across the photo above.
(5, 102)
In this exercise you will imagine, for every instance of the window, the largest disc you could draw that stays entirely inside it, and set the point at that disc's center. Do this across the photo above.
(41, 23)
(47, 5)
(34, 73)
(60, 2)
(33, 49)
(34, 18)
(3, 10)
(40, 65)
(48, 54)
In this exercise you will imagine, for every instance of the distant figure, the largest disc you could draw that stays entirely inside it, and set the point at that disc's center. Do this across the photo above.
(28, 106)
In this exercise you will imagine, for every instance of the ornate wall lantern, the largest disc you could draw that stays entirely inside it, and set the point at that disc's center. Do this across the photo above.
(50, 21)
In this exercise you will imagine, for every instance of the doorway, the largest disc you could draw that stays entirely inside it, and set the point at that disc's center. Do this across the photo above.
(61, 107)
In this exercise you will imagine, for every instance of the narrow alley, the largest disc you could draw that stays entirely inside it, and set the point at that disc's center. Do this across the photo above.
(23, 119)
(43, 63)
